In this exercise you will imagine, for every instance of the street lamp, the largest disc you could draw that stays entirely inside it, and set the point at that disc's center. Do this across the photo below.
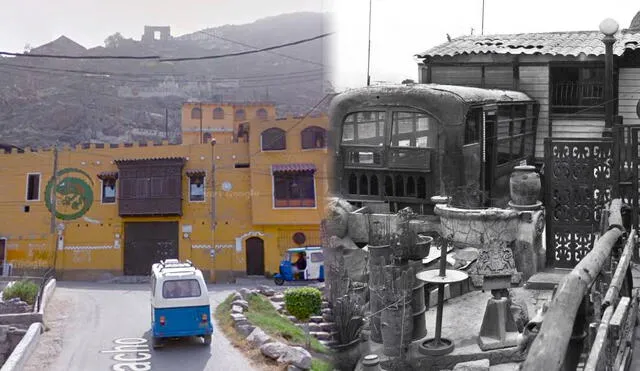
(608, 27)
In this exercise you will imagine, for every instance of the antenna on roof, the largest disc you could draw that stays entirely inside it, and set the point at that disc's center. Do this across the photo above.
(482, 32)
(369, 50)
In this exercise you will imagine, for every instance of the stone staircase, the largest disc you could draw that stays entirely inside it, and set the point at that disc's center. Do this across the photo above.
(321, 327)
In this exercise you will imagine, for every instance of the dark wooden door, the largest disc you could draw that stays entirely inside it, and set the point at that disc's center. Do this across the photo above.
(255, 256)
(148, 243)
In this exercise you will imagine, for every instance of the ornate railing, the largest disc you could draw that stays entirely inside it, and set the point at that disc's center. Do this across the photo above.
(579, 322)
(576, 96)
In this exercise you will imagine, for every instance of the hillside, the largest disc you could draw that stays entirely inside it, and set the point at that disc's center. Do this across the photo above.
(72, 101)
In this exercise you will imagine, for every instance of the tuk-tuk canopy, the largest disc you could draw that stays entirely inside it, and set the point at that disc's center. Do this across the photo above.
(303, 249)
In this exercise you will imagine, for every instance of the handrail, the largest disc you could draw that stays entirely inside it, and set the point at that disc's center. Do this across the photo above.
(548, 350)
(46, 277)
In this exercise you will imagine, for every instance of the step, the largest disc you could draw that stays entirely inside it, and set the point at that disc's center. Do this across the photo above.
(328, 343)
(321, 335)
(316, 319)
(328, 326)
(279, 298)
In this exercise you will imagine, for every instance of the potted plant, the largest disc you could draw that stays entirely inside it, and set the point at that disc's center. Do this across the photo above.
(349, 320)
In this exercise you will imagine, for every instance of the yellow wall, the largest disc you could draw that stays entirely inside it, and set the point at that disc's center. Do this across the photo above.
(90, 243)
(221, 129)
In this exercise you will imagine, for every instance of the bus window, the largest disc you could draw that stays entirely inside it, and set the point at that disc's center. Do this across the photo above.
(412, 129)
(364, 128)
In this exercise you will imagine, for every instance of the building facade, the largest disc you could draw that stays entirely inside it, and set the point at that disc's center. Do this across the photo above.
(232, 207)
(563, 71)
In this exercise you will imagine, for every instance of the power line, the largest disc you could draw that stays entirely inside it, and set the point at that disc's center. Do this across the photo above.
(247, 52)
(107, 74)
(254, 47)
(159, 58)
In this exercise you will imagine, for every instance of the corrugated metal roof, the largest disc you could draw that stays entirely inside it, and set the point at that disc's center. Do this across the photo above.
(573, 43)
(293, 167)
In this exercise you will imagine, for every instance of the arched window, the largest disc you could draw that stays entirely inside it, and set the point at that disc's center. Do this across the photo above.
(240, 115)
(314, 137)
(273, 139)
(196, 113)
(218, 114)
(261, 114)
(206, 138)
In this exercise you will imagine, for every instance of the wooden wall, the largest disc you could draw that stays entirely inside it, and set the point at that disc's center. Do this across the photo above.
(629, 94)
(534, 80)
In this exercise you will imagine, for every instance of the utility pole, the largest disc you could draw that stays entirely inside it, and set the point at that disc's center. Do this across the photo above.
(166, 123)
(213, 184)
(201, 122)
(53, 201)
(369, 50)
(482, 32)
(52, 196)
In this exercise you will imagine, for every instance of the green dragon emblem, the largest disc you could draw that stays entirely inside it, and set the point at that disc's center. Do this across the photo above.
(73, 195)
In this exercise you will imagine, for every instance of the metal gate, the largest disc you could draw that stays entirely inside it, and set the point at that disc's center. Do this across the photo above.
(146, 243)
(579, 180)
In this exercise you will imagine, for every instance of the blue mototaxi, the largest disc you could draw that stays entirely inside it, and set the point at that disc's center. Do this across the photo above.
(314, 270)
(180, 304)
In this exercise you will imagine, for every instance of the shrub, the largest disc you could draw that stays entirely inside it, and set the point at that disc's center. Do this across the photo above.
(303, 302)
(25, 290)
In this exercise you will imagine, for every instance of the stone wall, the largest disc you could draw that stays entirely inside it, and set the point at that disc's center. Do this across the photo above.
(14, 305)
(9, 338)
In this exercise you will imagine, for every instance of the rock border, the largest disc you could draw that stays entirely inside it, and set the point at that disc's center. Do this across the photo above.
(20, 355)
(297, 358)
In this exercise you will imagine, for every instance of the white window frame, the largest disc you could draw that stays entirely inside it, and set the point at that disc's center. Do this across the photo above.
(204, 189)
(102, 193)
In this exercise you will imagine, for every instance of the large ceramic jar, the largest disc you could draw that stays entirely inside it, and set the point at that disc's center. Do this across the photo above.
(525, 185)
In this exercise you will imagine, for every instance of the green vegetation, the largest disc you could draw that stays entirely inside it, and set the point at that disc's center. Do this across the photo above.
(303, 302)
(25, 290)
(262, 314)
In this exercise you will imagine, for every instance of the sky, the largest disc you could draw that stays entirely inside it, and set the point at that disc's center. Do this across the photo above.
(89, 22)
(399, 28)
(402, 28)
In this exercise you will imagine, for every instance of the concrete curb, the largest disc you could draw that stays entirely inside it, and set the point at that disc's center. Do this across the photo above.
(46, 295)
(23, 350)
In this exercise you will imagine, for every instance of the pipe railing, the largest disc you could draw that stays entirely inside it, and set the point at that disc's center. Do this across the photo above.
(549, 348)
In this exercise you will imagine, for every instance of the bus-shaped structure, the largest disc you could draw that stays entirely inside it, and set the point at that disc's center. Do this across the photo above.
(396, 146)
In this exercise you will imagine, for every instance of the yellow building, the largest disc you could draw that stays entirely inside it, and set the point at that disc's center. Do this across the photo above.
(232, 207)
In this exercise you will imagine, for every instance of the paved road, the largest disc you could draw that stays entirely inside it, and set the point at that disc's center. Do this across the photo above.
(92, 318)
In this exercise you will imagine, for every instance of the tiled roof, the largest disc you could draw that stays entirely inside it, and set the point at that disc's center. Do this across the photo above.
(108, 175)
(191, 172)
(125, 160)
(293, 167)
(572, 43)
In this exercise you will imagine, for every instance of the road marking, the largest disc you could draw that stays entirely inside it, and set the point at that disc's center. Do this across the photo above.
(128, 361)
